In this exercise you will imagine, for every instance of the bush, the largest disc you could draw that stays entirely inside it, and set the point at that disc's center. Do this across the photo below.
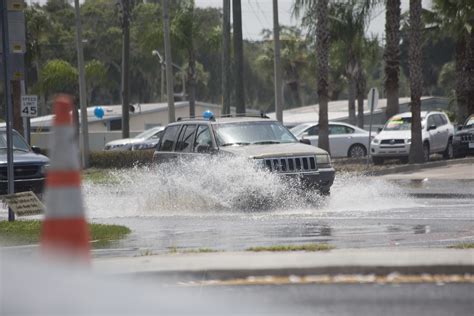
(120, 159)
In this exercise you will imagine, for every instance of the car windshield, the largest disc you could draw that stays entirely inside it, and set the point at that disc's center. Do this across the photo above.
(297, 130)
(148, 133)
(18, 142)
(469, 121)
(252, 133)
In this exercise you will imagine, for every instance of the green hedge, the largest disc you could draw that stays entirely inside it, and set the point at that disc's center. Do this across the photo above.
(120, 159)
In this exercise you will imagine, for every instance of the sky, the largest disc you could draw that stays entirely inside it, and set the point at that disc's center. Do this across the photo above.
(258, 15)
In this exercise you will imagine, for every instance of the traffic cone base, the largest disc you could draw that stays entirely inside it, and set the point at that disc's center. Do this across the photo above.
(69, 235)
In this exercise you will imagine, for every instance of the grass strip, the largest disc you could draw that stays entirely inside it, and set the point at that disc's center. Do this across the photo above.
(462, 246)
(24, 232)
(304, 247)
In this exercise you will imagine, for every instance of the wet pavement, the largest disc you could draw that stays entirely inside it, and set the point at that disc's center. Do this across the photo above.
(375, 213)
(175, 210)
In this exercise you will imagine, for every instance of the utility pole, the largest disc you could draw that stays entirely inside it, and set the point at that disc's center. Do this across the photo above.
(226, 70)
(277, 64)
(169, 63)
(8, 102)
(125, 68)
(238, 57)
(82, 89)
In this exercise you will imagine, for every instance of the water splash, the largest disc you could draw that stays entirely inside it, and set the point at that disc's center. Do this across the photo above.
(229, 184)
(199, 185)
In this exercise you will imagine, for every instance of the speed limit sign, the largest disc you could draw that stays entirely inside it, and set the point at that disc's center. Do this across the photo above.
(29, 105)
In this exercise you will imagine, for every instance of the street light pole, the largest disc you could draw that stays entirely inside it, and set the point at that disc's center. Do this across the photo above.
(277, 64)
(169, 69)
(8, 102)
(82, 89)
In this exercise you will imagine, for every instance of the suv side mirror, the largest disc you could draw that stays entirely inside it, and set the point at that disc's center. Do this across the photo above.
(431, 127)
(36, 150)
(379, 129)
(305, 141)
(304, 135)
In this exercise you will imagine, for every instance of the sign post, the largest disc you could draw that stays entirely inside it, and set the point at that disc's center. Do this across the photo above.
(372, 99)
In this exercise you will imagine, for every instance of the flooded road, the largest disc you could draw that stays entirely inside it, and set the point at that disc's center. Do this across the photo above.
(232, 207)
(171, 211)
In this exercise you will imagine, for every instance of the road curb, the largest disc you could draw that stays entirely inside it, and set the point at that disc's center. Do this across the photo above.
(413, 167)
(221, 266)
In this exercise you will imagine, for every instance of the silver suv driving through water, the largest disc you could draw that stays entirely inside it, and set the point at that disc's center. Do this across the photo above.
(266, 141)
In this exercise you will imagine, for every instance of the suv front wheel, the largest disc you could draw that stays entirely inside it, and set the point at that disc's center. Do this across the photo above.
(448, 153)
(426, 151)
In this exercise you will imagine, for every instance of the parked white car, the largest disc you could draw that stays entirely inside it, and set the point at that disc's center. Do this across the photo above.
(145, 140)
(395, 138)
(345, 140)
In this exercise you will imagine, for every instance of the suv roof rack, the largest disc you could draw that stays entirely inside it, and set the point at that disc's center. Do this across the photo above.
(213, 118)
(261, 115)
(195, 118)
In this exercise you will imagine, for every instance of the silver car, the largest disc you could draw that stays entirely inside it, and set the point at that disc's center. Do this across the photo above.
(345, 140)
(145, 140)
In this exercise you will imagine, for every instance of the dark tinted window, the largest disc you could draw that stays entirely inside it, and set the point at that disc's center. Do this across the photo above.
(169, 138)
(116, 125)
(186, 138)
(337, 130)
(313, 130)
(203, 140)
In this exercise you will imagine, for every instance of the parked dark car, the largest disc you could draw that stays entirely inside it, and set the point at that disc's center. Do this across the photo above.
(28, 164)
(271, 145)
(463, 142)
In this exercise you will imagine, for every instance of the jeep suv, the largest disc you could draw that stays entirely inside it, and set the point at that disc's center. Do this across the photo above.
(263, 140)
(395, 138)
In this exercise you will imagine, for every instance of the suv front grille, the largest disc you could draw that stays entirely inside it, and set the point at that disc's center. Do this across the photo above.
(291, 164)
(467, 138)
(20, 172)
(392, 141)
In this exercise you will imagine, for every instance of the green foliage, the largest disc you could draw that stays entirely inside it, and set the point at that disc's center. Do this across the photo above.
(303, 247)
(58, 76)
(23, 232)
(120, 159)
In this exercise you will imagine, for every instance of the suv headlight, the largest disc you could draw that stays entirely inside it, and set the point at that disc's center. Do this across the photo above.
(408, 141)
(44, 168)
(323, 160)
(375, 141)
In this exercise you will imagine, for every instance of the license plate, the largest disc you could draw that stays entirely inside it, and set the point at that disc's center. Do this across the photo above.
(471, 145)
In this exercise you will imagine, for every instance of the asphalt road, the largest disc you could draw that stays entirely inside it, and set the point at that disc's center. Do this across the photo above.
(406, 299)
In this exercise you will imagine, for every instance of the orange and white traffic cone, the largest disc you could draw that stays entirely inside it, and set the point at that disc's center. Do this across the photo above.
(65, 231)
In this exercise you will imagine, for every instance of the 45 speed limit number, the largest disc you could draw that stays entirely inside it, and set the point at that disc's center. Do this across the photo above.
(29, 106)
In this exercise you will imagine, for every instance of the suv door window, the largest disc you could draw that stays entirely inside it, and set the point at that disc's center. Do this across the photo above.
(439, 120)
(186, 138)
(203, 142)
(431, 121)
(169, 138)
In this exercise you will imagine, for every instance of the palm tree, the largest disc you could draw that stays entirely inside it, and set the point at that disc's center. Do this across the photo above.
(238, 57)
(456, 17)
(418, 152)
(318, 9)
(392, 55)
(322, 47)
